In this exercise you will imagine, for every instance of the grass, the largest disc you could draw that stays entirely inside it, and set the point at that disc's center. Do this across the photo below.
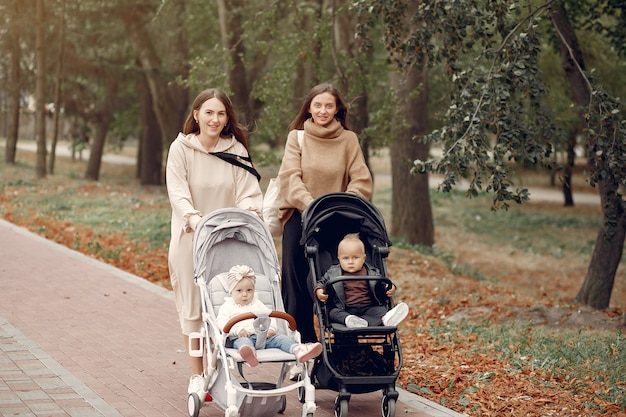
(518, 226)
(141, 211)
(110, 204)
(581, 361)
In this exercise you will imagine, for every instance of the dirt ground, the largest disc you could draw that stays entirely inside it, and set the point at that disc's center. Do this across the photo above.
(540, 290)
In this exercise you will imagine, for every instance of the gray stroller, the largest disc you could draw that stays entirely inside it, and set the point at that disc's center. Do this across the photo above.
(225, 238)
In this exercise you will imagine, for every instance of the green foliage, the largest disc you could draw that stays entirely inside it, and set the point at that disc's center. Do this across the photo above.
(284, 47)
(377, 132)
(206, 57)
(497, 114)
(485, 130)
(605, 17)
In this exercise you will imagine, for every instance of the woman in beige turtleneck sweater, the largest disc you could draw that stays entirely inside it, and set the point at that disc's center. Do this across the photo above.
(331, 160)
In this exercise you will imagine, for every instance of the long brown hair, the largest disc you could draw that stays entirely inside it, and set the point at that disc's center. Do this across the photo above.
(304, 114)
(232, 127)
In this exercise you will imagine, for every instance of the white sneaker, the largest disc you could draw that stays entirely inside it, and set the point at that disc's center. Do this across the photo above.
(307, 351)
(396, 315)
(295, 371)
(355, 321)
(196, 384)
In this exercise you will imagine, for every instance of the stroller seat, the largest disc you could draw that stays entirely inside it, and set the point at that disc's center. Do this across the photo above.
(217, 293)
(341, 327)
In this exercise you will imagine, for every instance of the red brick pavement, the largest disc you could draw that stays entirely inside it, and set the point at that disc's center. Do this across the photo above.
(81, 338)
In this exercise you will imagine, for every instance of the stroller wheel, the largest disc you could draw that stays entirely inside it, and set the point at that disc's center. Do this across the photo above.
(193, 405)
(283, 404)
(341, 407)
(388, 407)
(301, 390)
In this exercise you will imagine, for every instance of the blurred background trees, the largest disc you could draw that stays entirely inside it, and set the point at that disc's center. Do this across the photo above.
(463, 89)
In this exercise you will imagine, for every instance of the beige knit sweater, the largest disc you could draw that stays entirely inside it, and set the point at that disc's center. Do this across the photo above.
(331, 160)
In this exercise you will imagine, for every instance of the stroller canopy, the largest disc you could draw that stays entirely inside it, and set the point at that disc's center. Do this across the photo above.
(330, 217)
(241, 236)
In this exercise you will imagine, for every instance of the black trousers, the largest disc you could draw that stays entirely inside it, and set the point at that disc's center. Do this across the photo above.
(295, 286)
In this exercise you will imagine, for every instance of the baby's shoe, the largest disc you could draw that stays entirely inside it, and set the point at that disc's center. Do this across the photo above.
(396, 315)
(307, 351)
(355, 321)
(249, 355)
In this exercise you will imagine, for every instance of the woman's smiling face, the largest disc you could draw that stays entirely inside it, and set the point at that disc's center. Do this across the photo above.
(323, 109)
(211, 117)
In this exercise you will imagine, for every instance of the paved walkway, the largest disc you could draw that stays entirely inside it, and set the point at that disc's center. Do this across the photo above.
(81, 338)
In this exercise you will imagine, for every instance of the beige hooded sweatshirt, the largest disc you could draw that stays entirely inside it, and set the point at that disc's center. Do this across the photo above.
(197, 184)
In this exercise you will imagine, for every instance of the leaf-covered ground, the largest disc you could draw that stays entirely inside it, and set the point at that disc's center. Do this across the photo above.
(462, 370)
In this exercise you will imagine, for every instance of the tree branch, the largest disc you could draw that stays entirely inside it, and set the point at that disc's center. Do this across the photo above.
(505, 41)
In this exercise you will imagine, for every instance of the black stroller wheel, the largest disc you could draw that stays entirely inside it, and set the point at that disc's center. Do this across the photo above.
(283, 406)
(193, 405)
(388, 406)
(341, 407)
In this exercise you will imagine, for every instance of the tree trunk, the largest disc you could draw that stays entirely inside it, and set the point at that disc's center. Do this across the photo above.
(572, 63)
(607, 253)
(170, 102)
(307, 75)
(97, 147)
(14, 85)
(40, 87)
(233, 42)
(102, 120)
(150, 155)
(358, 120)
(411, 211)
(57, 92)
(568, 171)
(598, 284)
(350, 70)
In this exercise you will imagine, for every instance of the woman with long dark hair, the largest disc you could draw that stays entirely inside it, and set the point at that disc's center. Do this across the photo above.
(330, 160)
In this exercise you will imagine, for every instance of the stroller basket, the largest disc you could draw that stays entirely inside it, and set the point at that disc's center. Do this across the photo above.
(262, 406)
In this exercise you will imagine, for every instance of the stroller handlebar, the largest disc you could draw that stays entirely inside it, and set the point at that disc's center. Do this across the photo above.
(276, 314)
(358, 278)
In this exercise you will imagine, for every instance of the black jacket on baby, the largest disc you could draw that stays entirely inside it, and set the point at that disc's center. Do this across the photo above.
(378, 288)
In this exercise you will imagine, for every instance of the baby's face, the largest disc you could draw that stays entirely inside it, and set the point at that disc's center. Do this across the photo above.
(351, 256)
(243, 293)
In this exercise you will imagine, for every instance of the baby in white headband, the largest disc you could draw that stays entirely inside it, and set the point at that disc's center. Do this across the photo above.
(243, 299)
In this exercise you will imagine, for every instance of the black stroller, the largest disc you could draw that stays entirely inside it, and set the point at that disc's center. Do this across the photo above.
(354, 360)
